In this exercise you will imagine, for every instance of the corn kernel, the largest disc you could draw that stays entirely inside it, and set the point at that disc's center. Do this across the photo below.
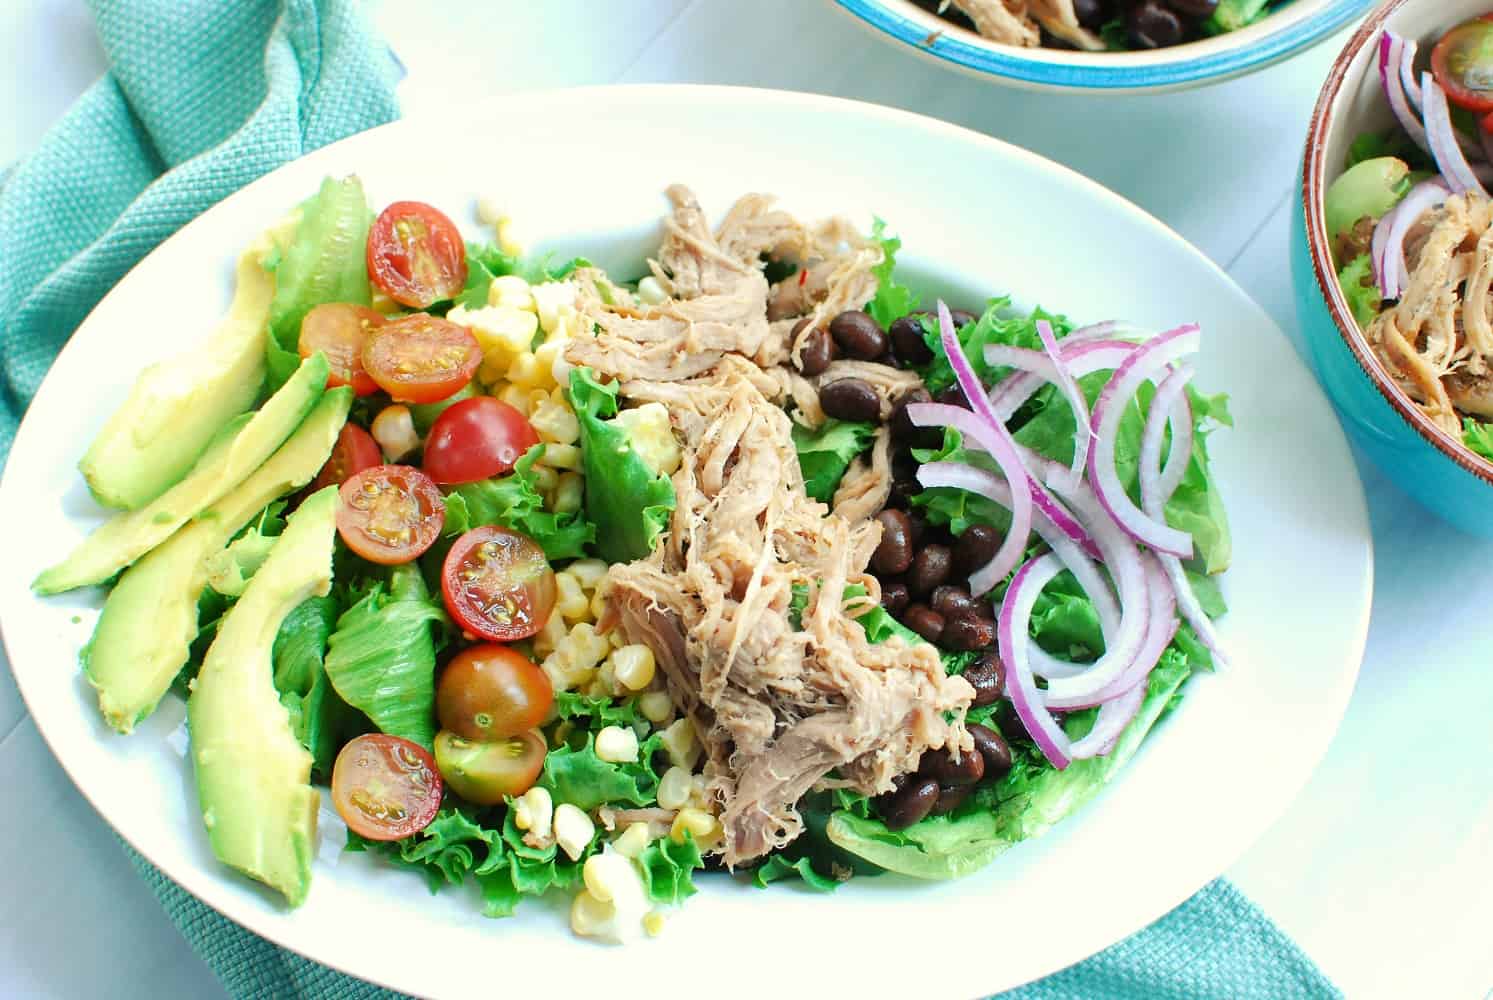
(590, 572)
(534, 811)
(674, 788)
(680, 744)
(653, 923)
(549, 638)
(608, 876)
(563, 456)
(634, 666)
(551, 299)
(589, 916)
(511, 237)
(488, 212)
(516, 396)
(553, 420)
(591, 648)
(394, 430)
(568, 493)
(651, 436)
(650, 292)
(656, 706)
(544, 478)
(618, 640)
(605, 685)
(550, 356)
(491, 375)
(503, 332)
(598, 605)
(617, 745)
(573, 830)
(526, 371)
(512, 291)
(570, 600)
(698, 823)
(697, 796)
(632, 841)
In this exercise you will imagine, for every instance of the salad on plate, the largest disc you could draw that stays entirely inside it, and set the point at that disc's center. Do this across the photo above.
(1099, 25)
(567, 581)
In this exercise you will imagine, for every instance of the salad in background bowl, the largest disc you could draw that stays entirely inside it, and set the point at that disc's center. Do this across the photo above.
(1393, 254)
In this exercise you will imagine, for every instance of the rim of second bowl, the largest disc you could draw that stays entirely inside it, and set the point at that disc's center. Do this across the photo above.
(1314, 173)
(1218, 58)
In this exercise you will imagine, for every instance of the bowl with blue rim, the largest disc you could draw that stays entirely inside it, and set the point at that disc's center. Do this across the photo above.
(1399, 146)
(1106, 46)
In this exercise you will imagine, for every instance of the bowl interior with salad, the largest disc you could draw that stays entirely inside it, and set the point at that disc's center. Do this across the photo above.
(1107, 45)
(1394, 249)
(520, 558)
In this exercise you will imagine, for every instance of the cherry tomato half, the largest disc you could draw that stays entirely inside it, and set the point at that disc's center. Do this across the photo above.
(354, 451)
(476, 439)
(385, 787)
(390, 514)
(1462, 62)
(421, 358)
(497, 584)
(486, 773)
(492, 692)
(416, 255)
(338, 330)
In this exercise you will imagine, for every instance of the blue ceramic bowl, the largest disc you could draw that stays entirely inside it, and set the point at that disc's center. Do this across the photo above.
(1427, 462)
(1292, 26)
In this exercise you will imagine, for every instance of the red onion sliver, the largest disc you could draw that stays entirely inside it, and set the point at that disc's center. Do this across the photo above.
(1037, 369)
(1179, 415)
(1390, 48)
(1013, 639)
(1111, 721)
(1391, 270)
(1408, 49)
(1443, 139)
(1148, 360)
(1161, 626)
(1083, 433)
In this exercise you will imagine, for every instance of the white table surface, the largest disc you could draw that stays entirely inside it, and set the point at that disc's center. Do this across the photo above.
(1383, 869)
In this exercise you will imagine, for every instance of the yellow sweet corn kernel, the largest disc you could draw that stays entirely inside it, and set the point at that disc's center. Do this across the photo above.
(634, 666)
(680, 744)
(608, 876)
(618, 640)
(562, 456)
(554, 421)
(534, 811)
(697, 796)
(617, 744)
(674, 789)
(551, 299)
(650, 292)
(598, 605)
(491, 375)
(632, 841)
(656, 706)
(544, 478)
(503, 332)
(590, 572)
(697, 822)
(515, 396)
(526, 371)
(653, 923)
(568, 493)
(604, 685)
(573, 830)
(570, 599)
(589, 916)
(651, 436)
(590, 648)
(511, 237)
(511, 290)
(549, 638)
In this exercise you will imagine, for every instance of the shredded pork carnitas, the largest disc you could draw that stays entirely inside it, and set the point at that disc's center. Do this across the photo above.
(1438, 338)
(1018, 22)
(779, 708)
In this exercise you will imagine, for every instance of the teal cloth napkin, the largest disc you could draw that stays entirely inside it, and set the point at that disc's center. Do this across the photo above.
(203, 97)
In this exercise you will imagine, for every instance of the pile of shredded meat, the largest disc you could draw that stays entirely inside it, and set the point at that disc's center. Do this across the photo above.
(780, 707)
(1438, 338)
(1019, 22)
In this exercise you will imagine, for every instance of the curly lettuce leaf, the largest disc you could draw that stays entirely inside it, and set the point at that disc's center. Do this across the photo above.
(1478, 437)
(998, 324)
(514, 501)
(486, 261)
(575, 774)
(629, 503)
(668, 869)
(381, 659)
(892, 300)
(825, 453)
(1231, 15)
(1362, 293)
(319, 718)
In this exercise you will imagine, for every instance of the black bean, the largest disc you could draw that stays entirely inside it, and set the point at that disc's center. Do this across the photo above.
(950, 797)
(1010, 724)
(993, 750)
(968, 632)
(894, 597)
(894, 553)
(950, 600)
(903, 490)
(952, 396)
(1151, 26)
(901, 809)
(919, 522)
(924, 621)
(858, 335)
(850, 399)
(967, 768)
(977, 546)
(930, 567)
(908, 342)
(904, 431)
(818, 350)
(962, 318)
(1196, 9)
(987, 677)
(1090, 13)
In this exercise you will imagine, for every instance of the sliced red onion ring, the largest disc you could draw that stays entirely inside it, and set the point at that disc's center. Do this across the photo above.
(1037, 369)
(1013, 640)
(1161, 626)
(1179, 414)
(1146, 363)
(1391, 48)
(1445, 147)
(1408, 49)
(1111, 721)
(1083, 434)
(1390, 269)
(1170, 405)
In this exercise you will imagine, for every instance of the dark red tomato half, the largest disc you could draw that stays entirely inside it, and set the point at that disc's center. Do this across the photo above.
(497, 584)
(338, 330)
(421, 358)
(354, 451)
(385, 787)
(416, 255)
(1462, 63)
(390, 514)
(476, 439)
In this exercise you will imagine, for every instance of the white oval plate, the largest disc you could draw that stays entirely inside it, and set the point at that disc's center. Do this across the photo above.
(586, 168)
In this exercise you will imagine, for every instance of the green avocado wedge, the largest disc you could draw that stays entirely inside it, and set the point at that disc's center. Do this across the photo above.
(126, 537)
(149, 621)
(253, 775)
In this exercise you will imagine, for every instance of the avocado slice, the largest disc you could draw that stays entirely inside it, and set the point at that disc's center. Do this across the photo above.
(178, 405)
(227, 463)
(253, 775)
(148, 623)
(1368, 189)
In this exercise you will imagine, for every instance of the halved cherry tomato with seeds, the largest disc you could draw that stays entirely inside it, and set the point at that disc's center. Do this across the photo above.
(497, 584)
(421, 358)
(487, 773)
(1462, 63)
(416, 255)
(338, 330)
(354, 451)
(390, 514)
(385, 787)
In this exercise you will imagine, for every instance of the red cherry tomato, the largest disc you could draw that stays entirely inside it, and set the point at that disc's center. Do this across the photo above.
(354, 451)
(476, 439)
(487, 773)
(1462, 63)
(390, 514)
(416, 255)
(492, 692)
(421, 358)
(385, 787)
(338, 330)
(497, 584)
